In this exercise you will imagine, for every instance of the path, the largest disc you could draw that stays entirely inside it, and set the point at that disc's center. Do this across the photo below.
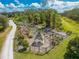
(7, 50)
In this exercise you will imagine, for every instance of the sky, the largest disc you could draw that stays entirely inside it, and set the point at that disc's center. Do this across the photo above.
(21, 5)
(21, 1)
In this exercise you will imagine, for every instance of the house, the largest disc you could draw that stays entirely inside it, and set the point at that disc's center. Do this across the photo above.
(38, 40)
(41, 43)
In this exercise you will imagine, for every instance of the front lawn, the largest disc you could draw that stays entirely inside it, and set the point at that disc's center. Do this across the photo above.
(56, 53)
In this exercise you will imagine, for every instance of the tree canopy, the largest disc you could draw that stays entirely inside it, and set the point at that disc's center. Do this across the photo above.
(3, 22)
(73, 49)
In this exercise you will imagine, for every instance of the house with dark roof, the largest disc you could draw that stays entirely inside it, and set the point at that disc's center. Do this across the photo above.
(38, 40)
(41, 44)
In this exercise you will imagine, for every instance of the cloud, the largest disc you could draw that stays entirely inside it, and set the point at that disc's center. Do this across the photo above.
(11, 5)
(2, 5)
(21, 5)
(62, 6)
(37, 5)
(17, 1)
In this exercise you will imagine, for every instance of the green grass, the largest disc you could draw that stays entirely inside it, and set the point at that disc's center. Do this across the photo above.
(59, 51)
(70, 25)
(3, 36)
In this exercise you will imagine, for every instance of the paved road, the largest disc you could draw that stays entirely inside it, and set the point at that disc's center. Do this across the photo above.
(7, 50)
